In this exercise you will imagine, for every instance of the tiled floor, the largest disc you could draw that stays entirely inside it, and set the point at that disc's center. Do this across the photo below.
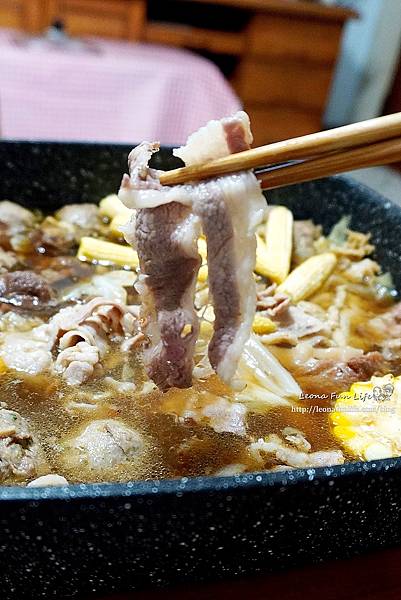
(383, 179)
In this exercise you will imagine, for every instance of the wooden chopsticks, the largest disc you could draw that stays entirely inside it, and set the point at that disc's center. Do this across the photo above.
(373, 155)
(325, 153)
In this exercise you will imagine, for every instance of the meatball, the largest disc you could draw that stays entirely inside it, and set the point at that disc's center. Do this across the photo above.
(104, 444)
(305, 234)
(84, 216)
(19, 451)
(16, 217)
(24, 288)
(62, 233)
(53, 238)
(62, 271)
(15, 220)
(8, 260)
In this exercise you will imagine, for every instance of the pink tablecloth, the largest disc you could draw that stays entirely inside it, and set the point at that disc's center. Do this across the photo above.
(122, 93)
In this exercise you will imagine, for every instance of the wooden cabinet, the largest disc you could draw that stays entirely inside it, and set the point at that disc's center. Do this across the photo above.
(286, 50)
(121, 19)
(285, 75)
(293, 83)
(274, 123)
(22, 14)
(291, 37)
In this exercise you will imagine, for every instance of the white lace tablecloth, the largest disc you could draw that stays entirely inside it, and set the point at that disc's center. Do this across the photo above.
(114, 92)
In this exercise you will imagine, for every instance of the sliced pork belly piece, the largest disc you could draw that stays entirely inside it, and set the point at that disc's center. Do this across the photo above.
(384, 327)
(81, 335)
(229, 209)
(169, 260)
(51, 480)
(274, 454)
(78, 363)
(331, 376)
(206, 408)
(166, 240)
(74, 341)
(217, 139)
(141, 188)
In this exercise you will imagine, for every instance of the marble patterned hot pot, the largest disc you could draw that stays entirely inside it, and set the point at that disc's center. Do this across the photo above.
(66, 542)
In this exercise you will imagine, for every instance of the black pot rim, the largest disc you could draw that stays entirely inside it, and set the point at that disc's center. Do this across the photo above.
(189, 485)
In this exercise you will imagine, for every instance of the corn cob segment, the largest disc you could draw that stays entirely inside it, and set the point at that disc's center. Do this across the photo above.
(202, 249)
(206, 329)
(111, 205)
(367, 419)
(263, 325)
(262, 257)
(278, 243)
(107, 253)
(203, 274)
(118, 221)
(3, 367)
(306, 279)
